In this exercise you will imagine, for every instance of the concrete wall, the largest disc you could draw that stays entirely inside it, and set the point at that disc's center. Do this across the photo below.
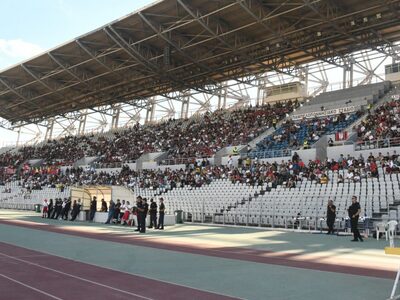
(334, 152)
(85, 161)
(149, 165)
(132, 166)
(320, 147)
(122, 193)
(225, 159)
(36, 162)
(225, 152)
(306, 155)
(148, 159)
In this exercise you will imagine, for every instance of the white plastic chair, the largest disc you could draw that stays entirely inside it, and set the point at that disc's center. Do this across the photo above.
(381, 227)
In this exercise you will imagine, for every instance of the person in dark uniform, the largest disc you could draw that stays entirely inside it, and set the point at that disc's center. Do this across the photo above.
(67, 208)
(111, 212)
(144, 216)
(93, 208)
(354, 213)
(76, 208)
(57, 209)
(139, 210)
(330, 216)
(161, 211)
(104, 207)
(117, 210)
(50, 209)
(153, 213)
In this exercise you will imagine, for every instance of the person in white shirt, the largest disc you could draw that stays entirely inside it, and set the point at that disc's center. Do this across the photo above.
(127, 210)
(45, 208)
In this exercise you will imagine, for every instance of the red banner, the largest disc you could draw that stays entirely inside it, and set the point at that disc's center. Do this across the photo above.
(341, 136)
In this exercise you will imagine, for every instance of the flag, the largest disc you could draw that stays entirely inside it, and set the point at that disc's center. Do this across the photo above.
(341, 136)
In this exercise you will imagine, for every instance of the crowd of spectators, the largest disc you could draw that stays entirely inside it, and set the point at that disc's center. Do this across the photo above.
(199, 136)
(251, 172)
(295, 134)
(381, 125)
(203, 136)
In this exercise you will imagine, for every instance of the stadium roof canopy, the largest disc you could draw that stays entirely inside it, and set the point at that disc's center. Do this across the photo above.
(176, 45)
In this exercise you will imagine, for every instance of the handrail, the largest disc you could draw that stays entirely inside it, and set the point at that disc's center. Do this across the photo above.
(377, 143)
(271, 153)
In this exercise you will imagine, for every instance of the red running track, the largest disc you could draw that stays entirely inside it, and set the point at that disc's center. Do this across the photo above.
(27, 274)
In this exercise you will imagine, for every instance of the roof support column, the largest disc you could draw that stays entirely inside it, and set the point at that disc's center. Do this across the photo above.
(18, 136)
(115, 117)
(82, 123)
(150, 111)
(260, 91)
(222, 96)
(185, 106)
(49, 129)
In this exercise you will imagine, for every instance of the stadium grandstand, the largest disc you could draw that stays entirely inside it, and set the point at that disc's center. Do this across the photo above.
(248, 128)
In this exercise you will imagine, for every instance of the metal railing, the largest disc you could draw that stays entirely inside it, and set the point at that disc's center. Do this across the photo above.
(181, 161)
(378, 143)
(271, 153)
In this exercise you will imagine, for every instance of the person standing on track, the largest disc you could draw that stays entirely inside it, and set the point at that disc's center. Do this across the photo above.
(76, 208)
(50, 209)
(111, 211)
(161, 211)
(330, 216)
(153, 214)
(139, 214)
(144, 216)
(67, 208)
(117, 211)
(45, 208)
(93, 208)
(104, 207)
(57, 209)
(354, 213)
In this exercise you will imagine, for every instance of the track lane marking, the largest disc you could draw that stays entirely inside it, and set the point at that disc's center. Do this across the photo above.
(30, 287)
(76, 277)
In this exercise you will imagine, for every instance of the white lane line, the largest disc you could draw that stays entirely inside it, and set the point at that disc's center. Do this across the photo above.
(26, 256)
(136, 274)
(76, 277)
(30, 287)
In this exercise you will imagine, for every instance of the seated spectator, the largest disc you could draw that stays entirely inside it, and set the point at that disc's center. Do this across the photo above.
(324, 179)
(381, 126)
(340, 179)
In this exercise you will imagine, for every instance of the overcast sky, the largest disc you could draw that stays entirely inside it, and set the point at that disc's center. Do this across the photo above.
(29, 27)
